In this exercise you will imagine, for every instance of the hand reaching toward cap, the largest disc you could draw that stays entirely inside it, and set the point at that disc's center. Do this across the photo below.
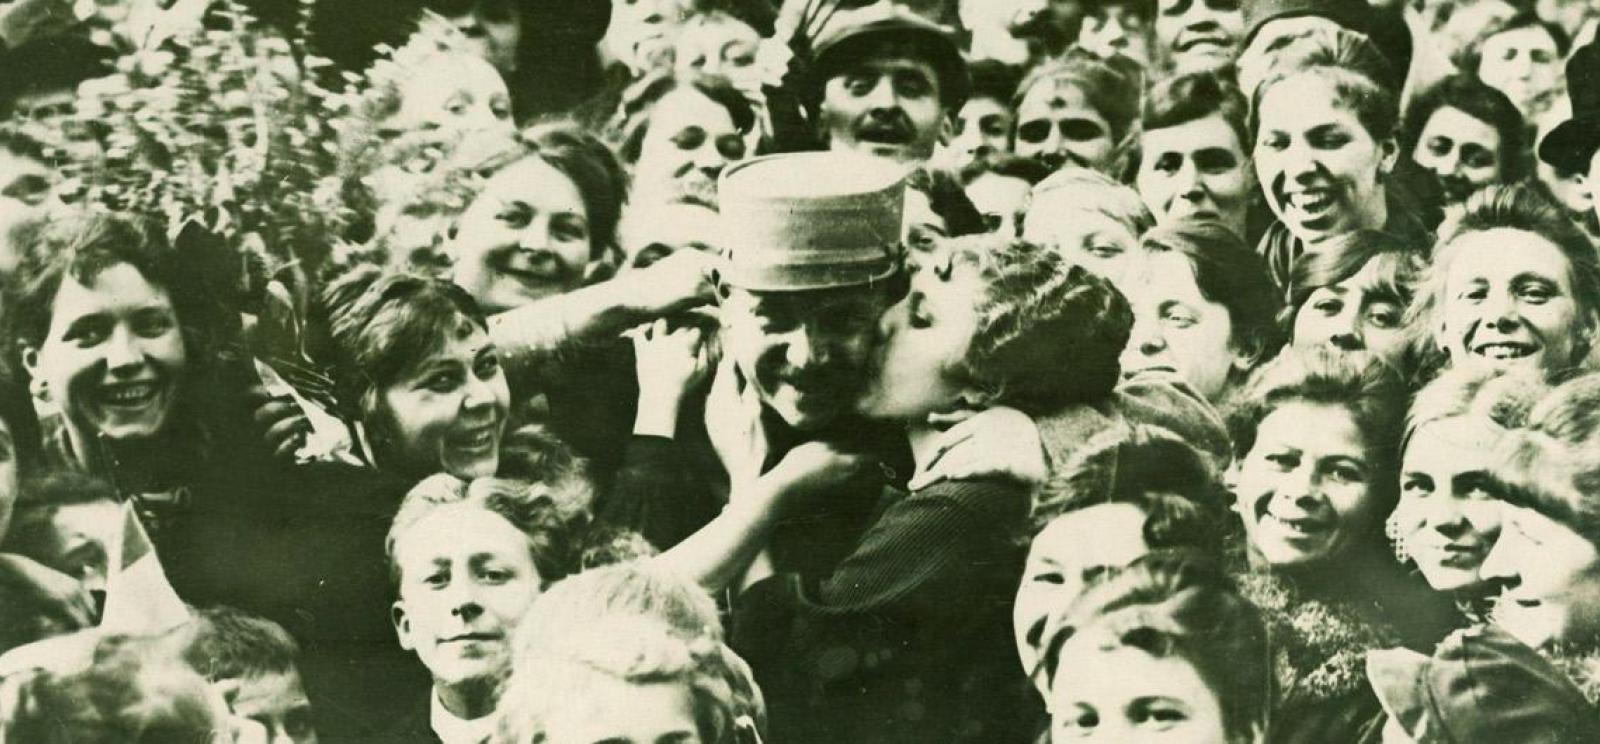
(678, 282)
(671, 364)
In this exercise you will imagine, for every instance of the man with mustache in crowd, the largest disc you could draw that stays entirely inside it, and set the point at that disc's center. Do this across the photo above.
(890, 82)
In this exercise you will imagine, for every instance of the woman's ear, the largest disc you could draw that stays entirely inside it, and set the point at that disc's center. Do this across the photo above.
(30, 360)
(1247, 356)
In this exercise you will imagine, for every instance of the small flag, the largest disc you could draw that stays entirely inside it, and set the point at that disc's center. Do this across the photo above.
(139, 599)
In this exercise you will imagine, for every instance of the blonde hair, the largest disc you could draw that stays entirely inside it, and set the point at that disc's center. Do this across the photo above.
(1096, 192)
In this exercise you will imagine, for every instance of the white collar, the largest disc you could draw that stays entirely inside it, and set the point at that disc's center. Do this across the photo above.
(454, 730)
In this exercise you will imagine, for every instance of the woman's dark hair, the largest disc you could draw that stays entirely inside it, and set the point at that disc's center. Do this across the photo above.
(627, 129)
(1049, 332)
(1471, 55)
(1229, 273)
(1173, 604)
(1399, 268)
(379, 324)
(1195, 96)
(82, 247)
(1176, 486)
(1470, 96)
(584, 159)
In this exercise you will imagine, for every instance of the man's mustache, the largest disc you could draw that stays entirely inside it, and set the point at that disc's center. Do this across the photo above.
(892, 125)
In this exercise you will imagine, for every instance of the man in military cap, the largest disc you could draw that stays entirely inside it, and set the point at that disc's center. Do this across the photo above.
(890, 81)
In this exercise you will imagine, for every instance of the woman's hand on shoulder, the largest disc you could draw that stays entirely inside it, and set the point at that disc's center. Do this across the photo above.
(995, 442)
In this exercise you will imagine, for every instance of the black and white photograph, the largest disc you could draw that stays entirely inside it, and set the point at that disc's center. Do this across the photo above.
(799, 372)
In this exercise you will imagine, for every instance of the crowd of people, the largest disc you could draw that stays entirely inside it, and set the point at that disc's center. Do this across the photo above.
(792, 371)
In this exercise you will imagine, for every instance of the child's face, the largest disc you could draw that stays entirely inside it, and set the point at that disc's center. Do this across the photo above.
(277, 701)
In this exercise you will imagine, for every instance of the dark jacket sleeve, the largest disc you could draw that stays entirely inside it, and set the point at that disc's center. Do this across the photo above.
(923, 551)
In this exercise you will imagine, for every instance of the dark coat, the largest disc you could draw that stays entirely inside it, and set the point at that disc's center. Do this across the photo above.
(908, 637)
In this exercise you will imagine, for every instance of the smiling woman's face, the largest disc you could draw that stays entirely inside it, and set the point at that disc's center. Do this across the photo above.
(114, 356)
(1110, 692)
(526, 236)
(1321, 171)
(1508, 302)
(1304, 491)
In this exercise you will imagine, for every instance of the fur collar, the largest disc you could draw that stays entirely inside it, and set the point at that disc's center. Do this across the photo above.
(1320, 645)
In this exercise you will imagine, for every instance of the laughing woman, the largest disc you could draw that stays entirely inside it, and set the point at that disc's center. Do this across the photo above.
(1325, 151)
(1314, 479)
(1513, 284)
(416, 373)
(111, 337)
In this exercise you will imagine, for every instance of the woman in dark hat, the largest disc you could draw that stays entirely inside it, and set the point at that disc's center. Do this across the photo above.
(1571, 146)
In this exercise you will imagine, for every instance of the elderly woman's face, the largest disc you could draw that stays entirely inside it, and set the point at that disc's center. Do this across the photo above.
(1305, 489)
(1447, 518)
(1523, 63)
(690, 139)
(1175, 328)
(113, 356)
(1551, 576)
(1196, 170)
(1106, 691)
(1358, 316)
(447, 410)
(1320, 169)
(526, 236)
(456, 95)
(1508, 301)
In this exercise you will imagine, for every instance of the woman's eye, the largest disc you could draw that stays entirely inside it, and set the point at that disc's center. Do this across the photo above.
(1386, 316)
(690, 138)
(439, 578)
(516, 216)
(1105, 250)
(487, 367)
(1328, 306)
(1050, 577)
(1418, 487)
(441, 382)
(1283, 461)
(1275, 142)
(153, 324)
(1346, 474)
(1330, 141)
(698, 62)
(1439, 146)
(1180, 318)
(1536, 294)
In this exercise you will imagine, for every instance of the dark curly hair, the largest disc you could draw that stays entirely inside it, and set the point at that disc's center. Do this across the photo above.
(1229, 273)
(1049, 332)
(1176, 486)
(1469, 95)
(379, 323)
